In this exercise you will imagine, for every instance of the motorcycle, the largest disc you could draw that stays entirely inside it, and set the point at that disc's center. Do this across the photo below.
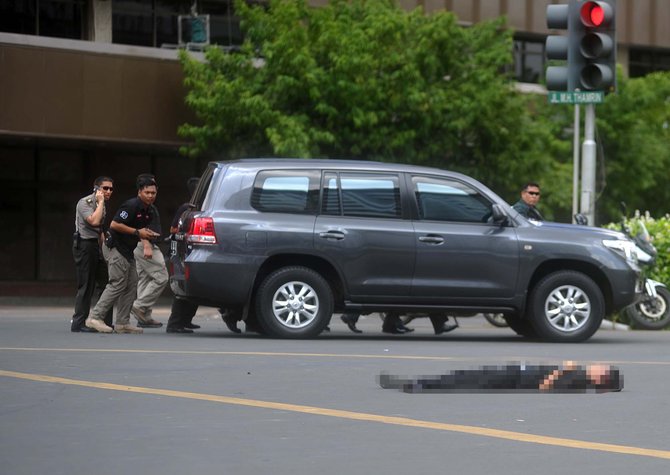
(652, 311)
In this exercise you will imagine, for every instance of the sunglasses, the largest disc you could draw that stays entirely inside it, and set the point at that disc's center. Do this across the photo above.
(534, 193)
(107, 188)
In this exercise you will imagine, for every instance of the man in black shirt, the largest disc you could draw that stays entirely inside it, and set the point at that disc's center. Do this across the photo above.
(152, 274)
(129, 225)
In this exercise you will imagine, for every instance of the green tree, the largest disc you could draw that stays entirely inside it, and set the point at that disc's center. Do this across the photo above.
(634, 131)
(367, 79)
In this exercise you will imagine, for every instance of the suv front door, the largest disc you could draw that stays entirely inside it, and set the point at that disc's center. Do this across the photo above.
(462, 257)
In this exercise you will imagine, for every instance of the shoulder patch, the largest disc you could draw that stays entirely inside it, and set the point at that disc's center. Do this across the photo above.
(124, 214)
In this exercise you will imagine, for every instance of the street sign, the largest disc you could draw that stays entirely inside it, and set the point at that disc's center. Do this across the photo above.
(589, 97)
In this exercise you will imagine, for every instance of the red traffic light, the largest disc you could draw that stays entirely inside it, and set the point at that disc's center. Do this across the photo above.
(595, 14)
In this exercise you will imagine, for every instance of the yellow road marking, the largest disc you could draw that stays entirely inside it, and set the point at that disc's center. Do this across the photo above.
(357, 416)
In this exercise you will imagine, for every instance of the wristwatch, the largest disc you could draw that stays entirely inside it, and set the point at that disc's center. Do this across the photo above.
(136, 233)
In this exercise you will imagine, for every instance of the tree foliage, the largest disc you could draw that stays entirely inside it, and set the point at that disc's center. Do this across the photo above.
(366, 79)
(634, 130)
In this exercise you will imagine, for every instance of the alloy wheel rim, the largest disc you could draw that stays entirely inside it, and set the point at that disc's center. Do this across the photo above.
(295, 304)
(567, 308)
(653, 311)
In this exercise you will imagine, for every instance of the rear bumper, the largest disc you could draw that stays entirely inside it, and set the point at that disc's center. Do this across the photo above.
(214, 279)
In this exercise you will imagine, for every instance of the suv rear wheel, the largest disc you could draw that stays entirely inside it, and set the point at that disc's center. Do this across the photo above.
(294, 302)
(566, 306)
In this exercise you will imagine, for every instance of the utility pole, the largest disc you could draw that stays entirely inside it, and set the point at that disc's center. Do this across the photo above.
(588, 195)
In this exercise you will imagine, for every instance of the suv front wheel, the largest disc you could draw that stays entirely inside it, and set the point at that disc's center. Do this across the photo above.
(294, 302)
(566, 306)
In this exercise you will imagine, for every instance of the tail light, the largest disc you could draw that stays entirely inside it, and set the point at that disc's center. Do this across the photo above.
(201, 231)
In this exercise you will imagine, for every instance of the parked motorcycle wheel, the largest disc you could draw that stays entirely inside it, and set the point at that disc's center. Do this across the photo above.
(651, 315)
(496, 319)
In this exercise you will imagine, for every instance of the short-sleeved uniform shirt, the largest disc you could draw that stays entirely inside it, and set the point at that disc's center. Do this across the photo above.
(155, 224)
(85, 208)
(135, 214)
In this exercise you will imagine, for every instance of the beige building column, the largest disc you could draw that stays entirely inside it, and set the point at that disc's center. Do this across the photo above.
(100, 21)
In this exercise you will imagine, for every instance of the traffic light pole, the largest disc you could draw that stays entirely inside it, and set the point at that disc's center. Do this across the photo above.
(575, 163)
(588, 197)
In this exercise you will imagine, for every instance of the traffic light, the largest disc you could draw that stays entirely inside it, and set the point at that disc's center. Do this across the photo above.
(557, 47)
(597, 45)
(589, 48)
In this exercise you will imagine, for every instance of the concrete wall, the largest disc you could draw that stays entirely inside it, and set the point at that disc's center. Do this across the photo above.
(82, 90)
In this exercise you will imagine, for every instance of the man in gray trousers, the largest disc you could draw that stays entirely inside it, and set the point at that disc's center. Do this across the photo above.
(128, 227)
(152, 274)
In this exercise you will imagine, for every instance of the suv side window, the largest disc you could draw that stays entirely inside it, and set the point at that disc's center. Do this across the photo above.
(440, 199)
(367, 195)
(286, 191)
(331, 195)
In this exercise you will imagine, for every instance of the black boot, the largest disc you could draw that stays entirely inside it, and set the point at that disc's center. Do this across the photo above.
(230, 319)
(350, 319)
(440, 324)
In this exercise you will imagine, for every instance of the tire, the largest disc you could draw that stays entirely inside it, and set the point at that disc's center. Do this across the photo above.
(651, 315)
(566, 306)
(294, 302)
(496, 319)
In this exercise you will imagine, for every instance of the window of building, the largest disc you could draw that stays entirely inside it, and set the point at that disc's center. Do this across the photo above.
(146, 22)
(55, 18)
(529, 59)
(643, 61)
(223, 24)
(154, 22)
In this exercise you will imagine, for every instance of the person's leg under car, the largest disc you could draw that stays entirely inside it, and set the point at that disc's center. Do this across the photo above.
(182, 312)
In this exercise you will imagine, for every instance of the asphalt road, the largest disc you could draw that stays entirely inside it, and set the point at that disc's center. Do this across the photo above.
(218, 403)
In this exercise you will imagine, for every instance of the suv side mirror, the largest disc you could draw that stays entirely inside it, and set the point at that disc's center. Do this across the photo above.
(498, 215)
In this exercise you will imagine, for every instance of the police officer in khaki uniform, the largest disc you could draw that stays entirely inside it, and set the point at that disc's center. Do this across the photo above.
(129, 225)
(87, 239)
(152, 273)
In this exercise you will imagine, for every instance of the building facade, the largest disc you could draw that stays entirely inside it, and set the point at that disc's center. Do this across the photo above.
(94, 87)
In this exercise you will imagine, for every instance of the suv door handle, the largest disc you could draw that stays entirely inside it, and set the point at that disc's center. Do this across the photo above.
(338, 235)
(432, 239)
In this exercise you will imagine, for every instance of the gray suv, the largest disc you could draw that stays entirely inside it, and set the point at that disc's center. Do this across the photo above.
(290, 241)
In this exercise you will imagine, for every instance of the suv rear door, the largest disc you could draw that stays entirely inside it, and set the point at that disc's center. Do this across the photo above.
(361, 231)
(461, 255)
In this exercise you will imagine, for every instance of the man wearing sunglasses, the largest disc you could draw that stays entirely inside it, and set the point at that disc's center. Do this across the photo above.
(526, 206)
(86, 250)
